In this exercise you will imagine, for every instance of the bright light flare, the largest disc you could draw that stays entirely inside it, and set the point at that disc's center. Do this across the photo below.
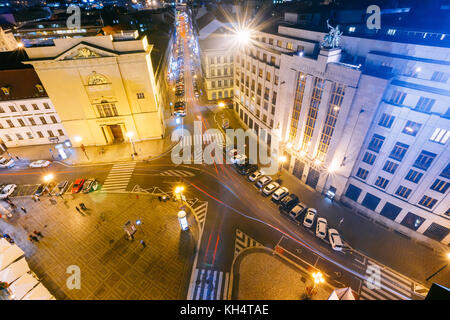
(130, 134)
(243, 36)
(48, 177)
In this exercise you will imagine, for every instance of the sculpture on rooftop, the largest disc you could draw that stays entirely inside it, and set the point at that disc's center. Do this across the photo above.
(332, 38)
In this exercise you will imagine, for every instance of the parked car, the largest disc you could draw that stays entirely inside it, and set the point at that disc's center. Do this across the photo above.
(321, 228)
(335, 239)
(288, 202)
(263, 181)
(270, 188)
(7, 190)
(39, 164)
(61, 188)
(247, 169)
(255, 175)
(6, 163)
(40, 190)
(232, 152)
(90, 185)
(77, 185)
(310, 217)
(279, 194)
(296, 212)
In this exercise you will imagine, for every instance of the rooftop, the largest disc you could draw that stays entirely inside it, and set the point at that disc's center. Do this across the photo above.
(20, 84)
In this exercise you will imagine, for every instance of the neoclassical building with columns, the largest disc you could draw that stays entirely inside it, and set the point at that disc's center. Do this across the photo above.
(102, 87)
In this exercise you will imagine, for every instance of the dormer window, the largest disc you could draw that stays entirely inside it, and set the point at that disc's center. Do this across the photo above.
(40, 88)
(6, 90)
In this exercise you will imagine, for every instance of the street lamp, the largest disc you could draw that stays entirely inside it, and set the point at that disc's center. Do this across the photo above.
(442, 268)
(49, 177)
(281, 161)
(318, 278)
(179, 193)
(221, 104)
(243, 36)
(130, 136)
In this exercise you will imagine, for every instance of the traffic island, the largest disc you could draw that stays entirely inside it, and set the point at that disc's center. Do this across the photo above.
(260, 275)
(154, 263)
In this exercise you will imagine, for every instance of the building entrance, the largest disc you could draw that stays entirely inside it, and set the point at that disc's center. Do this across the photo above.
(116, 132)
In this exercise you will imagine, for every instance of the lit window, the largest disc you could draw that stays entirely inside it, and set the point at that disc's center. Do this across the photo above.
(381, 182)
(427, 202)
(351, 29)
(411, 128)
(403, 192)
(424, 160)
(440, 135)
(386, 120)
(440, 186)
(362, 173)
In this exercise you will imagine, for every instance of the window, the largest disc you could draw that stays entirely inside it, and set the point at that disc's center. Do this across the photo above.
(8, 137)
(446, 172)
(376, 143)
(33, 123)
(2, 110)
(39, 133)
(362, 173)
(19, 136)
(370, 201)
(440, 186)
(30, 136)
(50, 133)
(10, 123)
(424, 104)
(12, 108)
(427, 202)
(211, 61)
(53, 119)
(272, 60)
(412, 221)
(403, 192)
(274, 98)
(440, 136)
(411, 128)
(424, 160)
(414, 176)
(6, 91)
(279, 43)
(21, 122)
(398, 97)
(276, 80)
(390, 211)
(390, 166)
(386, 120)
(107, 110)
(43, 121)
(266, 93)
(440, 77)
(290, 46)
(264, 57)
(60, 132)
(46, 105)
(369, 158)
(35, 106)
(270, 41)
(140, 95)
(399, 150)
(267, 76)
(381, 182)
(23, 107)
(353, 192)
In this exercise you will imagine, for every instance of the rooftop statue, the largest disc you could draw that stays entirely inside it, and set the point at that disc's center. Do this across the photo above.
(332, 39)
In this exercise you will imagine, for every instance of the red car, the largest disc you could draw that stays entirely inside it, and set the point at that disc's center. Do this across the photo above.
(77, 185)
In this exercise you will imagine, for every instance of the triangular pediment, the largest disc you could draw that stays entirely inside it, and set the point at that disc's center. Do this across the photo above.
(85, 50)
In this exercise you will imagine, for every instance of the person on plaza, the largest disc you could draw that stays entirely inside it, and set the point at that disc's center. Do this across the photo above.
(17, 157)
(143, 244)
(82, 206)
(33, 238)
(38, 233)
(23, 209)
(78, 209)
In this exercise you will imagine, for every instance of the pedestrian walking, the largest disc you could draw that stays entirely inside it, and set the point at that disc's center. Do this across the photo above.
(33, 238)
(143, 244)
(82, 206)
(78, 209)
(38, 233)
(23, 209)
(17, 157)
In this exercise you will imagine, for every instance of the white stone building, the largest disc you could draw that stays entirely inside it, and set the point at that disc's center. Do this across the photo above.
(368, 122)
(102, 87)
(27, 116)
(7, 40)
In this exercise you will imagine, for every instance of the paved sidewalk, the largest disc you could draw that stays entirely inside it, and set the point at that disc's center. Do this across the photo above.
(259, 275)
(112, 267)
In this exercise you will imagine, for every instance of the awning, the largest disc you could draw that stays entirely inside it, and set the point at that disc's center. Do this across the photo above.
(342, 294)
(10, 255)
(39, 293)
(14, 271)
(22, 286)
(4, 244)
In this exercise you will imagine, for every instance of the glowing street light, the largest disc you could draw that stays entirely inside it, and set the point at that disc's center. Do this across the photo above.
(49, 177)
(221, 104)
(77, 139)
(289, 145)
(317, 162)
(243, 36)
(318, 278)
(130, 136)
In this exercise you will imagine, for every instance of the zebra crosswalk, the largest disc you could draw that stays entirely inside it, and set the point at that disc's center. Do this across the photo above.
(384, 284)
(119, 176)
(177, 173)
(200, 212)
(243, 241)
(206, 138)
(209, 285)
